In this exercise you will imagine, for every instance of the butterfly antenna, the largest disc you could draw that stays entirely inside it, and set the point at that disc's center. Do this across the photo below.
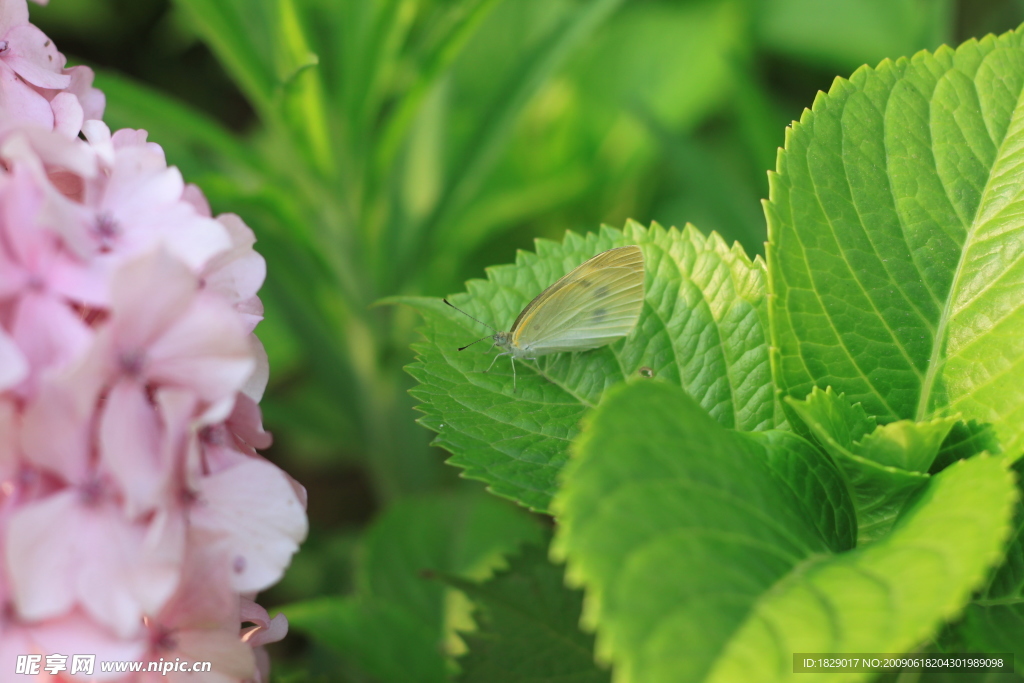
(470, 317)
(463, 348)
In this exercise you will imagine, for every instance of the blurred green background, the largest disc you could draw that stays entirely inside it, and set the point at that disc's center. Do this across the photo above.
(384, 147)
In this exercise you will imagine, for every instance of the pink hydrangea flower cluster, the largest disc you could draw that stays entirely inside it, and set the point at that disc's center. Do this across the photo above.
(137, 521)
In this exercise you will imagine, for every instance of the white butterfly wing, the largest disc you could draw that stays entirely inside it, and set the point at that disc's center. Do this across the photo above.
(595, 304)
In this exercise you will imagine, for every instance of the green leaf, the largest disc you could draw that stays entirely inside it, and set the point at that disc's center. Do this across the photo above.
(464, 535)
(964, 440)
(699, 563)
(879, 490)
(845, 429)
(703, 327)
(302, 92)
(994, 621)
(380, 637)
(895, 239)
(815, 481)
(399, 626)
(240, 33)
(528, 627)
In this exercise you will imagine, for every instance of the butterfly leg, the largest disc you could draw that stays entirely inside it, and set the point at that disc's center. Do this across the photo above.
(496, 358)
(513, 359)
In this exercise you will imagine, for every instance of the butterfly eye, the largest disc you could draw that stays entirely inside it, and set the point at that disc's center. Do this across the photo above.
(645, 372)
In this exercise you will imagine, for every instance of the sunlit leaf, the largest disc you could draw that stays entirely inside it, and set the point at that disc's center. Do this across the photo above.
(703, 327)
(895, 239)
(700, 565)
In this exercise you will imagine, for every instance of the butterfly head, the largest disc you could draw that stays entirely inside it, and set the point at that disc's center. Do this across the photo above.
(504, 340)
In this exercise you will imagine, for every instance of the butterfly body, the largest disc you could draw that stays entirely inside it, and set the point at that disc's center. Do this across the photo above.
(595, 304)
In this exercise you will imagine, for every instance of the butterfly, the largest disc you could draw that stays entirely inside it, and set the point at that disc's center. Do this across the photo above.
(596, 303)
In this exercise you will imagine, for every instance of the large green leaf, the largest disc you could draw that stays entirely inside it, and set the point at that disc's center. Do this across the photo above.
(703, 327)
(895, 239)
(700, 563)
(528, 627)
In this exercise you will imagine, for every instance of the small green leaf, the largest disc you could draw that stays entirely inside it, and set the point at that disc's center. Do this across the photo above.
(964, 440)
(906, 445)
(463, 535)
(879, 490)
(528, 627)
(399, 626)
(703, 327)
(895, 239)
(816, 482)
(700, 563)
(380, 637)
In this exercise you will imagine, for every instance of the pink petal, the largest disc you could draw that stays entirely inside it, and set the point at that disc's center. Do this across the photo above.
(60, 551)
(262, 665)
(177, 408)
(259, 517)
(257, 382)
(36, 147)
(8, 449)
(251, 311)
(50, 331)
(40, 555)
(148, 295)
(35, 58)
(92, 100)
(266, 630)
(139, 182)
(189, 236)
(130, 448)
(231, 659)
(77, 634)
(176, 228)
(194, 196)
(13, 364)
(237, 273)
(206, 349)
(20, 103)
(130, 137)
(205, 598)
(78, 282)
(58, 421)
(246, 423)
(16, 640)
(68, 115)
(98, 135)
(12, 13)
(29, 245)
